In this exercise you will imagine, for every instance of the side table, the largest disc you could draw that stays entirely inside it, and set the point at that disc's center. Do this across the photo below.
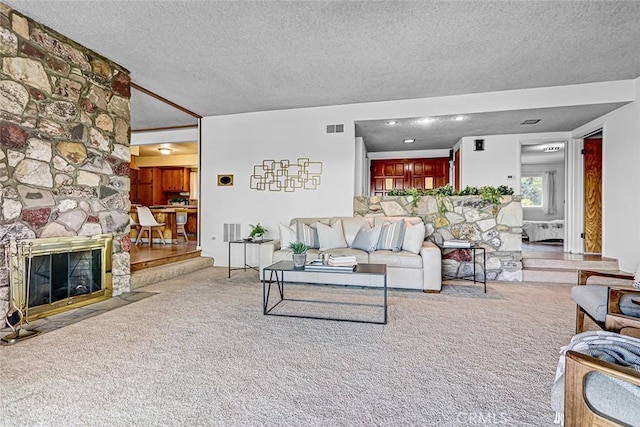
(245, 243)
(473, 248)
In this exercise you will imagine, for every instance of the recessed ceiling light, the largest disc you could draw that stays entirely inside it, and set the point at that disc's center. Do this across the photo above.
(409, 141)
(426, 120)
(392, 122)
(164, 151)
(530, 122)
(459, 118)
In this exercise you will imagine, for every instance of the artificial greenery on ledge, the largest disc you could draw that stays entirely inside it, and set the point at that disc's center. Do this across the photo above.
(488, 195)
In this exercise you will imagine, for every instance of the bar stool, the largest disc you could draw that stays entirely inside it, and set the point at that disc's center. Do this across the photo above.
(181, 221)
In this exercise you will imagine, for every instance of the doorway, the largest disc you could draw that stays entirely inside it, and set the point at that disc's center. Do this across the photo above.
(543, 190)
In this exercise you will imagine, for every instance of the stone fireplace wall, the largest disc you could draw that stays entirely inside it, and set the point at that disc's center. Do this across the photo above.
(497, 229)
(64, 142)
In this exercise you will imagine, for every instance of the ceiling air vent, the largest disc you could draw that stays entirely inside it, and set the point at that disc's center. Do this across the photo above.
(530, 122)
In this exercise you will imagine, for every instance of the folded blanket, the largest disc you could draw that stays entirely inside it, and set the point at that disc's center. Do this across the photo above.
(604, 345)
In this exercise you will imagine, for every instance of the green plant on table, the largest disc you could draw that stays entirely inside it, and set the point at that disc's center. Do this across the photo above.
(257, 231)
(298, 247)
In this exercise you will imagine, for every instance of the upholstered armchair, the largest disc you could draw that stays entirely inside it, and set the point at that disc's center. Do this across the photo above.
(599, 393)
(614, 308)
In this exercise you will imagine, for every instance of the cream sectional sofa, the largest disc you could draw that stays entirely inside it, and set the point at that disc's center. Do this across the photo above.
(405, 269)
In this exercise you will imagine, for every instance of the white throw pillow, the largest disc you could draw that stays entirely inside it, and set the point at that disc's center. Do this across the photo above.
(413, 237)
(331, 237)
(287, 236)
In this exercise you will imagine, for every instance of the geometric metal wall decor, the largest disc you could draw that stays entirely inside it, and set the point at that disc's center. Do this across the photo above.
(283, 175)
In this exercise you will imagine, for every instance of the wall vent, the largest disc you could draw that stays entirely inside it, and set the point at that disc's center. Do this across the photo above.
(231, 232)
(335, 128)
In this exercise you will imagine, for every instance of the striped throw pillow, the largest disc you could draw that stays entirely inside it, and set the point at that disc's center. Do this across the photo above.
(308, 234)
(391, 236)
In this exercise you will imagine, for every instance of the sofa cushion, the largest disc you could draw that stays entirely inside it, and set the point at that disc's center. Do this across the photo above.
(367, 238)
(351, 226)
(391, 236)
(613, 397)
(593, 300)
(413, 237)
(331, 236)
(401, 259)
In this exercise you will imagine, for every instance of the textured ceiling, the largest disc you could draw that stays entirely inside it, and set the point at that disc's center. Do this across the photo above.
(149, 113)
(225, 57)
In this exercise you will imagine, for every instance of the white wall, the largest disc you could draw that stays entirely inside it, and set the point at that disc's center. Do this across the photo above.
(620, 182)
(499, 162)
(234, 143)
(164, 136)
(538, 214)
(411, 154)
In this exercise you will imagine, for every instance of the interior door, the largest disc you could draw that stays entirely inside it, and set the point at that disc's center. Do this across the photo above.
(593, 195)
(386, 175)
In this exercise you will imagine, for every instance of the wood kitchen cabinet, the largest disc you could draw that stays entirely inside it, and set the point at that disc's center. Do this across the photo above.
(175, 179)
(146, 187)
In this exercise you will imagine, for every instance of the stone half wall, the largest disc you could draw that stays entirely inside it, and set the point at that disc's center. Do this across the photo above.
(64, 142)
(499, 230)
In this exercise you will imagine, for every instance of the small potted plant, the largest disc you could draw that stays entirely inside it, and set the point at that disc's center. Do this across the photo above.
(257, 232)
(299, 254)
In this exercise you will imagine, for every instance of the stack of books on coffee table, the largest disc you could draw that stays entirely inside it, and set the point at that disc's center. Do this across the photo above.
(335, 263)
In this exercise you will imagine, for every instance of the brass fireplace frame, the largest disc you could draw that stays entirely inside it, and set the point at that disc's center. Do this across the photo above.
(22, 250)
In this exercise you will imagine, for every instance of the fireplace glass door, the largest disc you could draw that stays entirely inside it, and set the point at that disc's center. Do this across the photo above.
(61, 278)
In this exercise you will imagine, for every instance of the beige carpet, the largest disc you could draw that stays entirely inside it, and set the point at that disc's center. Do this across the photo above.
(200, 352)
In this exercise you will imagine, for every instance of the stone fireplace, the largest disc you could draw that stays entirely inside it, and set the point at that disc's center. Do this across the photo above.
(64, 164)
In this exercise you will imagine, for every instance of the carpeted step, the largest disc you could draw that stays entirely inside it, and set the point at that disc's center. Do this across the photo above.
(569, 276)
(577, 264)
(160, 273)
(554, 270)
